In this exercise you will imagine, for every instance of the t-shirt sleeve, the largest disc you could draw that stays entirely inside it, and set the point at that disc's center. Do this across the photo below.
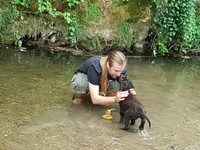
(93, 76)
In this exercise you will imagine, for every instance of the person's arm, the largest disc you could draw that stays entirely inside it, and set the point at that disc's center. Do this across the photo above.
(105, 100)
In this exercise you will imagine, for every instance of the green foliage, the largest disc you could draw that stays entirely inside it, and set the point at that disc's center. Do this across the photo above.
(45, 6)
(125, 35)
(133, 18)
(96, 43)
(162, 49)
(125, 1)
(72, 3)
(143, 2)
(23, 3)
(93, 11)
(197, 8)
(7, 15)
(175, 25)
(72, 30)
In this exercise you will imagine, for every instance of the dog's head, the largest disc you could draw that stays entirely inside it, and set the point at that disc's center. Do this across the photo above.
(125, 83)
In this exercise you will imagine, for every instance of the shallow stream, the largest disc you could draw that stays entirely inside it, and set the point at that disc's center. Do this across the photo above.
(36, 111)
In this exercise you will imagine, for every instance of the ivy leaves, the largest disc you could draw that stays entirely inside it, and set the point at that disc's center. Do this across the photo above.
(175, 25)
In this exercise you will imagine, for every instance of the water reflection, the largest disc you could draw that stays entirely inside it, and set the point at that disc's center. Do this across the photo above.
(36, 111)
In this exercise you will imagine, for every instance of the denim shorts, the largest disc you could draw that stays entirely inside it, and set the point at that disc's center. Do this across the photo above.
(80, 83)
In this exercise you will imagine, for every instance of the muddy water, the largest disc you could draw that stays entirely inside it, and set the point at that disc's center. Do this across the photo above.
(36, 111)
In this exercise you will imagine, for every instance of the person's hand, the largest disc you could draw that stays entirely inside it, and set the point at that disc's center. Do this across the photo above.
(120, 96)
(133, 91)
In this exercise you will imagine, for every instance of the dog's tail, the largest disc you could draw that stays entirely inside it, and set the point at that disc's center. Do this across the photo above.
(145, 116)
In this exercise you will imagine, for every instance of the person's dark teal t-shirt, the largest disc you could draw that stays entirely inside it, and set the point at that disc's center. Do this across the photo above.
(92, 68)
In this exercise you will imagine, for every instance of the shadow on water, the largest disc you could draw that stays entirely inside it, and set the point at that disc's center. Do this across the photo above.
(36, 110)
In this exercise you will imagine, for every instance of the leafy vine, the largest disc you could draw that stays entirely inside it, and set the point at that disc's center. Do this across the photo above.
(176, 27)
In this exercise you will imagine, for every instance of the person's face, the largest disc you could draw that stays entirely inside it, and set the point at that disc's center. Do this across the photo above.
(115, 70)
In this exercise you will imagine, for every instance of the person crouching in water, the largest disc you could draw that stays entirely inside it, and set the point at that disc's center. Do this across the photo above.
(98, 76)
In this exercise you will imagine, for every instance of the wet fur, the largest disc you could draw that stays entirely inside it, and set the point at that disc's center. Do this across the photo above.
(131, 108)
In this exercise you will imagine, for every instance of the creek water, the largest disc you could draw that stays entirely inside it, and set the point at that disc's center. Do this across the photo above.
(36, 110)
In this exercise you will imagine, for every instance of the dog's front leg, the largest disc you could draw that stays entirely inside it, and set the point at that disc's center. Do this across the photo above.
(126, 124)
(121, 119)
(121, 116)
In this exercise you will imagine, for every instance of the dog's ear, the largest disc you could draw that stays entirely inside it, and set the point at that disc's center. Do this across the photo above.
(120, 78)
(130, 84)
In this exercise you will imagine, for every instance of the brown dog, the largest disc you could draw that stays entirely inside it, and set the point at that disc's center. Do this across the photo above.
(130, 108)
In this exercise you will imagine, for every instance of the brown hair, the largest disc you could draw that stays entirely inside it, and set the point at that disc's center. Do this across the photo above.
(115, 56)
